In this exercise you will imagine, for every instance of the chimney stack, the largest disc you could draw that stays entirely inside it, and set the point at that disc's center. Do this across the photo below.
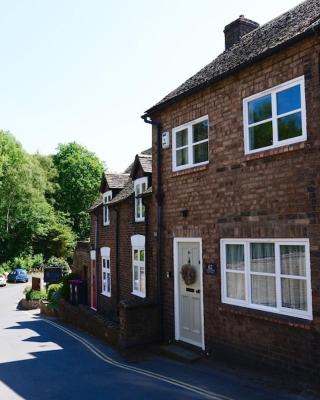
(236, 29)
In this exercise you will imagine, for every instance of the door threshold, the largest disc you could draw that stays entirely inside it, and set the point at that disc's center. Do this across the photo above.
(180, 352)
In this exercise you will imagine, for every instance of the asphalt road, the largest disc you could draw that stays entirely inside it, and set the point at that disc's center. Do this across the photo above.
(43, 359)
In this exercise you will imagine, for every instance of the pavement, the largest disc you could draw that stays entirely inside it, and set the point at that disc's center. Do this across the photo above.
(41, 358)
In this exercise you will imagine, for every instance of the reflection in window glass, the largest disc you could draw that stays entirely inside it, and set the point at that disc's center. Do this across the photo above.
(260, 109)
(289, 100)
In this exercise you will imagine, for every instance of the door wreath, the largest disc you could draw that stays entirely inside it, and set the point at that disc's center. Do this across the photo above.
(188, 273)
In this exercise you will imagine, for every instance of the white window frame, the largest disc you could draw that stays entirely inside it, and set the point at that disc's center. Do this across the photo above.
(107, 197)
(189, 145)
(279, 309)
(105, 268)
(138, 243)
(138, 204)
(273, 92)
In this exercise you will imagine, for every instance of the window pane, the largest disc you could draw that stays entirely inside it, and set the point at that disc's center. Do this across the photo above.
(142, 281)
(293, 260)
(290, 126)
(182, 138)
(263, 290)
(260, 109)
(136, 277)
(260, 136)
(138, 190)
(108, 283)
(136, 255)
(144, 187)
(103, 263)
(288, 100)
(235, 286)
(182, 156)
(143, 211)
(235, 257)
(141, 255)
(108, 264)
(138, 208)
(294, 293)
(200, 153)
(200, 131)
(262, 257)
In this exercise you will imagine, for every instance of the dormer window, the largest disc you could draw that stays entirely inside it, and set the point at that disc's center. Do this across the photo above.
(107, 197)
(140, 186)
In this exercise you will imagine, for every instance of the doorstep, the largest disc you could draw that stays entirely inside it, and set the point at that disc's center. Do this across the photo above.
(179, 352)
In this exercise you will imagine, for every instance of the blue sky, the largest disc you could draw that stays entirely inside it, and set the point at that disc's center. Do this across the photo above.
(85, 70)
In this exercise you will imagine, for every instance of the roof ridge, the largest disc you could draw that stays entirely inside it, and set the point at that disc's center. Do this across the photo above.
(282, 30)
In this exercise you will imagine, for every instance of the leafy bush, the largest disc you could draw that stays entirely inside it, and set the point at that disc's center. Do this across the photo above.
(54, 291)
(26, 261)
(59, 262)
(35, 294)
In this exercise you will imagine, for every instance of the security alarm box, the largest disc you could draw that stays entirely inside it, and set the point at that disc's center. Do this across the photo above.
(165, 140)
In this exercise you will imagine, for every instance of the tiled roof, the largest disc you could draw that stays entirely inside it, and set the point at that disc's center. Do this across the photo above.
(293, 25)
(146, 162)
(126, 192)
(116, 181)
(147, 152)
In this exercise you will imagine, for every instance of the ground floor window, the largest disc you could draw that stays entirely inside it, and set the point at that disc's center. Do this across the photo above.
(269, 275)
(105, 271)
(138, 266)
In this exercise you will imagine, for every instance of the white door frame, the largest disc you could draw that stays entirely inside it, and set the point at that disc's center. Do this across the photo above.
(176, 242)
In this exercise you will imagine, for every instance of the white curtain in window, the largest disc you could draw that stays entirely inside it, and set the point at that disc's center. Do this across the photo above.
(235, 280)
(293, 290)
(263, 287)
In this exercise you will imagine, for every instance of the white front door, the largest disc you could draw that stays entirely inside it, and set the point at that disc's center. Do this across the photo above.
(188, 296)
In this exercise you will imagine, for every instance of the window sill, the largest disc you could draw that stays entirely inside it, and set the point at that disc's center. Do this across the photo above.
(139, 220)
(276, 150)
(106, 295)
(279, 319)
(191, 170)
(138, 294)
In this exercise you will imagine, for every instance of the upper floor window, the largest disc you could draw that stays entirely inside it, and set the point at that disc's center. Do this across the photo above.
(190, 144)
(275, 117)
(105, 272)
(268, 275)
(138, 265)
(140, 186)
(107, 197)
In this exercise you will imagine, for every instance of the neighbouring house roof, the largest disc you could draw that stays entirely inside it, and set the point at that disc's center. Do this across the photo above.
(291, 26)
(145, 158)
(116, 181)
(126, 192)
(146, 162)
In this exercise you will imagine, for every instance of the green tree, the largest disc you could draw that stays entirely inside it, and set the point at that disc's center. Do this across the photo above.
(79, 175)
(23, 208)
(51, 174)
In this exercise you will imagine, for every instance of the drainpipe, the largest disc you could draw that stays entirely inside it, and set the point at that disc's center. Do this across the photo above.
(117, 258)
(159, 197)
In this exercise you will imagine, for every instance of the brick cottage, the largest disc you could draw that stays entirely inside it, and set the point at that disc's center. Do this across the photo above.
(236, 186)
(122, 280)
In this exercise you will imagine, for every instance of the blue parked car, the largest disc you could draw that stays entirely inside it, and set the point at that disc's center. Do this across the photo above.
(18, 275)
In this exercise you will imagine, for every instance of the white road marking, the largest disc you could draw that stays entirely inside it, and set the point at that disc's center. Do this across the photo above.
(98, 353)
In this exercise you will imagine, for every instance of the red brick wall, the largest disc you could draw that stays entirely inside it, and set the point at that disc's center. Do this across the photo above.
(273, 194)
(121, 288)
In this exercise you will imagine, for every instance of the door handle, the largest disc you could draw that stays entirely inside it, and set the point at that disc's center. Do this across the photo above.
(198, 291)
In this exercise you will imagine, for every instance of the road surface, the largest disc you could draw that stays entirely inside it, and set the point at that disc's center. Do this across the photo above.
(43, 359)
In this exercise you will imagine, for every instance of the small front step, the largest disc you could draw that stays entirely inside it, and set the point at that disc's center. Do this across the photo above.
(180, 353)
